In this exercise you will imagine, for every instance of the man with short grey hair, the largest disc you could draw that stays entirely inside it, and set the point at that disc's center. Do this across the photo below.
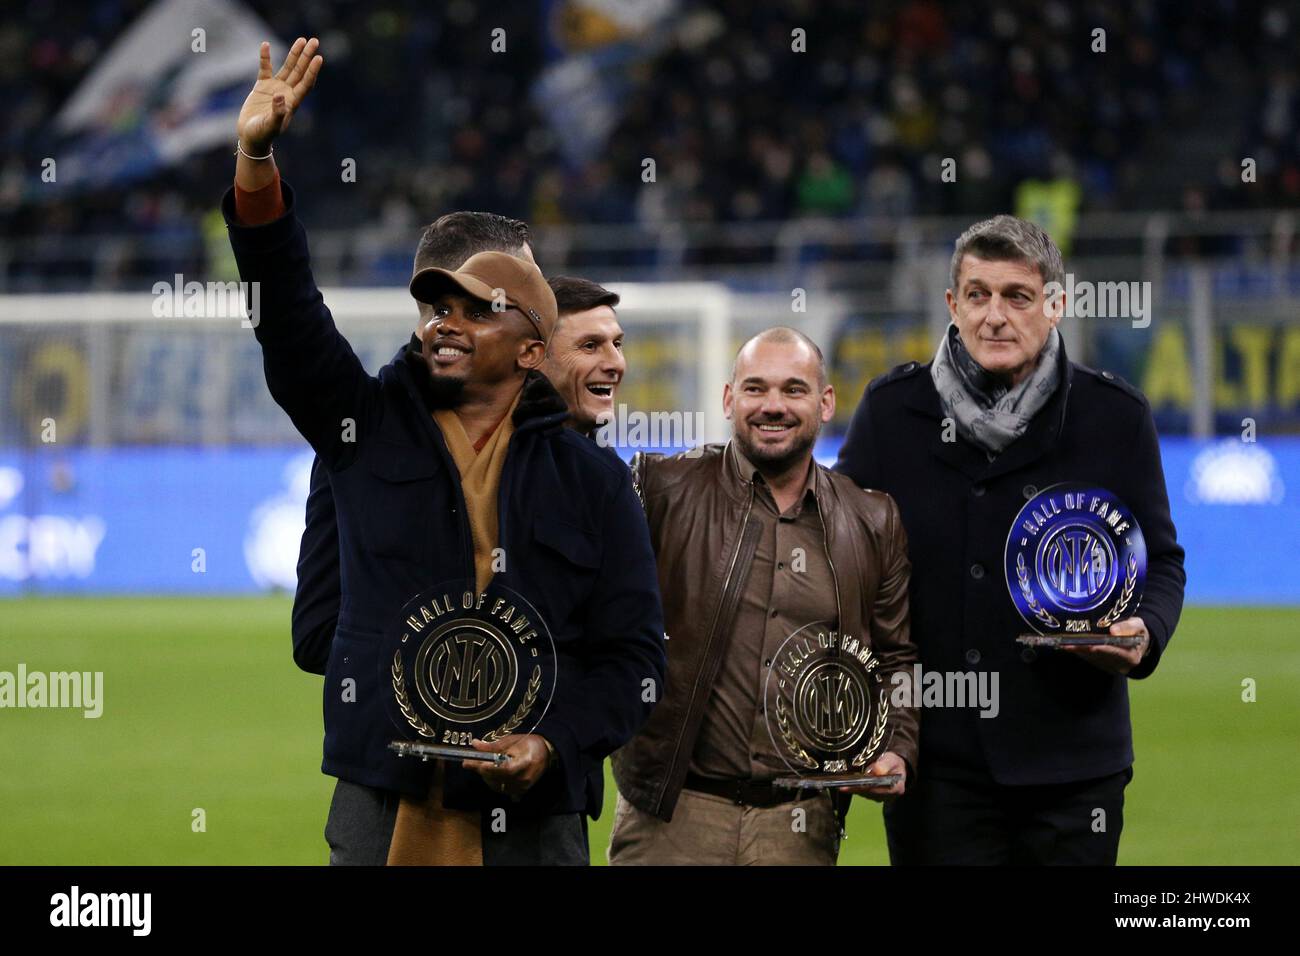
(1013, 237)
(963, 443)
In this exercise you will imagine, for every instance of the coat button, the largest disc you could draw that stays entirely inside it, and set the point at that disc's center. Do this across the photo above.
(977, 571)
(972, 656)
(1028, 655)
(1029, 491)
(978, 491)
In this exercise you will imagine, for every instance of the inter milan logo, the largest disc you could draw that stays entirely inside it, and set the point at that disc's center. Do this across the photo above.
(1078, 565)
(466, 671)
(465, 664)
(1075, 560)
(831, 702)
(825, 702)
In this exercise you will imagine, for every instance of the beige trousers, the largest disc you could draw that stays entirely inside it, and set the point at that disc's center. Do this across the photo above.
(713, 831)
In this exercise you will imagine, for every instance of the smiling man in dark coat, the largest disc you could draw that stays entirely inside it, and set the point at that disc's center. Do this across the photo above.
(458, 445)
(961, 443)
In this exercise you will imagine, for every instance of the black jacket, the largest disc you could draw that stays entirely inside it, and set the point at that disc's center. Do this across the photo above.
(570, 523)
(1061, 719)
(316, 597)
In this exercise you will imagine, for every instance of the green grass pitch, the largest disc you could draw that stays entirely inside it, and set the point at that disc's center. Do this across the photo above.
(203, 708)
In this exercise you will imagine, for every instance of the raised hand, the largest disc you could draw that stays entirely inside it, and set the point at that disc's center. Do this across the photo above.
(274, 98)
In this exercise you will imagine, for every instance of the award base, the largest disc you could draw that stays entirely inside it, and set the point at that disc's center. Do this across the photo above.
(834, 781)
(414, 748)
(1078, 640)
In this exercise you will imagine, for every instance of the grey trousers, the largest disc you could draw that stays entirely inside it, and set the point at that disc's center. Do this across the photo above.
(360, 827)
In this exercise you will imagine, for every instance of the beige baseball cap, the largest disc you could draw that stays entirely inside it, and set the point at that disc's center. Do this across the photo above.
(488, 276)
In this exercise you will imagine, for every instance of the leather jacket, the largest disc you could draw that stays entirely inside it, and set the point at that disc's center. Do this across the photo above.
(699, 509)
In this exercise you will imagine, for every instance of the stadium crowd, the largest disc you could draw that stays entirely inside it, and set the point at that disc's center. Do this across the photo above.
(741, 127)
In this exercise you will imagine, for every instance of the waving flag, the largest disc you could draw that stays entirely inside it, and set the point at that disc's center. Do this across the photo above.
(171, 85)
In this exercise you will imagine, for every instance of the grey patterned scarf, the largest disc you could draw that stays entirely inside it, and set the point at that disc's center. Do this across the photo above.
(986, 412)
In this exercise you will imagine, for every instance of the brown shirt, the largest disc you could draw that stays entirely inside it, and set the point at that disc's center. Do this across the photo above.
(789, 586)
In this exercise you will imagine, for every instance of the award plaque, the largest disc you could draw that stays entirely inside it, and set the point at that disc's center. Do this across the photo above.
(1076, 563)
(460, 665)
(827, 708)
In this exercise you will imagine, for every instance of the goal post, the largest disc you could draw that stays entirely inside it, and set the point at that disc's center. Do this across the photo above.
(696, 317)
(127, 369)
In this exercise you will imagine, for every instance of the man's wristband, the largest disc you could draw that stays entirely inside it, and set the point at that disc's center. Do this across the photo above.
(239, 151)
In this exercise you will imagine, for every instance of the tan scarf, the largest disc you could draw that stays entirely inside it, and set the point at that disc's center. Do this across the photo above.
(480, 478)
(426, 833)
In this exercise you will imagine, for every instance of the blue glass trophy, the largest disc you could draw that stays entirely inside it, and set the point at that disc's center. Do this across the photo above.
(1076, 563)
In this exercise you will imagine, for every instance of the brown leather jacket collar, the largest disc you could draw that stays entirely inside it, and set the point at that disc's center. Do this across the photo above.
(747, 472)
